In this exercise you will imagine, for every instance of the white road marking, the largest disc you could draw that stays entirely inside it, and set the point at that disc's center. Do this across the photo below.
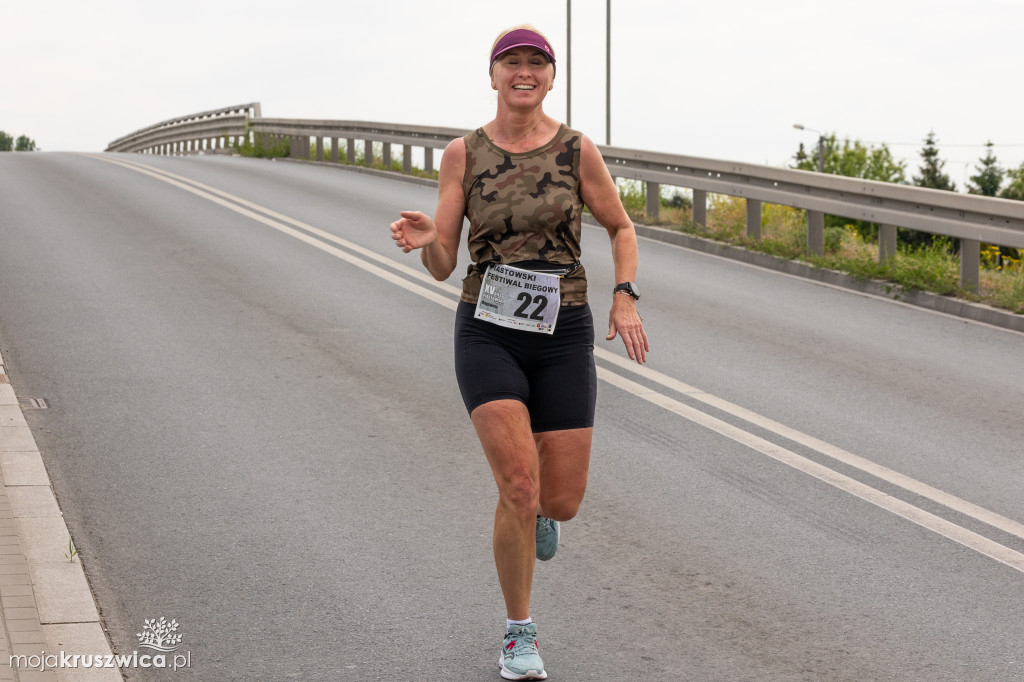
(865, 492)
(867, 466)
(908, 511)
(211, 194)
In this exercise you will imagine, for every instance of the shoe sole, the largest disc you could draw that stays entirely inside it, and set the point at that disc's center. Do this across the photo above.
(529, 675)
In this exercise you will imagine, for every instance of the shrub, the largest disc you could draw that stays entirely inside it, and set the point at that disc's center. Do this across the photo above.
(262, 148)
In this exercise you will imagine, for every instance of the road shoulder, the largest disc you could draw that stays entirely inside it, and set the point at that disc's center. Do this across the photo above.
(47, 606)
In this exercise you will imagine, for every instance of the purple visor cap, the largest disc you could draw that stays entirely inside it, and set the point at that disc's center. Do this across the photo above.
(521, 37)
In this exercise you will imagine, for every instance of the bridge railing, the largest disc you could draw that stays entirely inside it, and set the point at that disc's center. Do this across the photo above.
(191, 134)
(301, 131)
(971, 219)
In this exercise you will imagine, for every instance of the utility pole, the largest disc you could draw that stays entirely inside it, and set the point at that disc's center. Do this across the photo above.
(608, 74)
(568, 63)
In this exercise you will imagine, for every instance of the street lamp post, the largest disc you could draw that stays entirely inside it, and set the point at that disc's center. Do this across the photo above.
(608, 74)
(816, 219)
(568, 62)
(608, 68)
(821, 145)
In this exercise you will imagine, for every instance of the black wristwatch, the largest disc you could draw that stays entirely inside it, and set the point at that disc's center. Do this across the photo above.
(628, 287)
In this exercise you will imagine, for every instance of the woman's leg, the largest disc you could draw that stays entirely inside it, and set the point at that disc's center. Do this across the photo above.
(544, 473)
(564, 465)
(503, 427)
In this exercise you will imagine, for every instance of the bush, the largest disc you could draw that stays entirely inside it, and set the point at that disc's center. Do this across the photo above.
(834, 239)
(263, 149)
(677, 200)
(633, 195)
(932, 267)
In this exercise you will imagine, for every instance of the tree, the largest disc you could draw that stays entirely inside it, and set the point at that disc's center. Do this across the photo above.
(882, 166)
(1014, 190)
(989, 177)
(855, 160)
(24, 144)
(931, 168)
(802, 159)
(931, 177)
(6, 142)
(1015, 184)
(987, 183)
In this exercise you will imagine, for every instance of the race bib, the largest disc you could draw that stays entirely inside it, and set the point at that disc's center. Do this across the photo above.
(519, 299)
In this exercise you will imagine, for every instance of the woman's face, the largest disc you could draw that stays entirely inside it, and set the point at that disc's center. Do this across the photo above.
(523, 76)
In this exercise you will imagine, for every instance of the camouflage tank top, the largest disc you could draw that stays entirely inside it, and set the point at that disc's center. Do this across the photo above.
(524, 207)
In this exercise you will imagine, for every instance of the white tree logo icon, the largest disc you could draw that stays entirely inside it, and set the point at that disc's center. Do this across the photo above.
(159, 635)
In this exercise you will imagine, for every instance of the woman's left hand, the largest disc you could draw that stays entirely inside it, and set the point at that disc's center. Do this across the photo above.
(625, 321)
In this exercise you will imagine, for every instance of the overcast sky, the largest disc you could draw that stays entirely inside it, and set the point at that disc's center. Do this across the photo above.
(723, 79)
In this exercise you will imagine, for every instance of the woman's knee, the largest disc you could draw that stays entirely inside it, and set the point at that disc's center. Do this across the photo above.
(520, 492)
(504, 430)
(561, 506)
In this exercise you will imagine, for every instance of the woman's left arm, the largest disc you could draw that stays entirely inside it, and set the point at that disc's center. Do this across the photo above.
(601, 196)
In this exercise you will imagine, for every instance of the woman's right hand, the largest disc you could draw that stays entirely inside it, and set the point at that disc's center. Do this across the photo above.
(413, 230)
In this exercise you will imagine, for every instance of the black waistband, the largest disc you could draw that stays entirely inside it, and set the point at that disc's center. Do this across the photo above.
(543, 267)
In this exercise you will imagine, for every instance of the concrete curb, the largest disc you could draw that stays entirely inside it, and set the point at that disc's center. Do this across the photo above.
(47, 605)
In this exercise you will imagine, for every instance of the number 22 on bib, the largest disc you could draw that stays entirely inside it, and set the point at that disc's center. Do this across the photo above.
(519, 299)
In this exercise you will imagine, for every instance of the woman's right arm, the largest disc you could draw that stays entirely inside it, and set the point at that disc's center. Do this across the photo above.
(438, 238)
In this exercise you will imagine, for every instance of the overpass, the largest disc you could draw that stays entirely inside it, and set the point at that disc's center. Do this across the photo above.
(241, 403)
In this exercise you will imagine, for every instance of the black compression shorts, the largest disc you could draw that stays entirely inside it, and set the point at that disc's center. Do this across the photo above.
(552, 374)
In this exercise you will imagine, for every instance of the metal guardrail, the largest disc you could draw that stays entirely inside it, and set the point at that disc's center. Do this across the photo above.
(969, 218)
(190, 134)
(300, 131)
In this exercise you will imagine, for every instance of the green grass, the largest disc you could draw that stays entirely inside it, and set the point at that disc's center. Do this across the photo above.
(933, 268)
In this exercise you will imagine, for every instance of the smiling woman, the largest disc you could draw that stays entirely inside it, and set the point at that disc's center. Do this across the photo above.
(524, 333)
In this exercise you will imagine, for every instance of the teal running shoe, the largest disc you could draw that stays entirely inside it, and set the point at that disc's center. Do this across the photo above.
(520, 657)
(547, 538)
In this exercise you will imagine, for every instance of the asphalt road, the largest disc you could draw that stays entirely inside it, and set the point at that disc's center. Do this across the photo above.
(254, 429)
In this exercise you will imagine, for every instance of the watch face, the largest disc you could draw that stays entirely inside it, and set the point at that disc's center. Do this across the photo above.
(630, 288)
